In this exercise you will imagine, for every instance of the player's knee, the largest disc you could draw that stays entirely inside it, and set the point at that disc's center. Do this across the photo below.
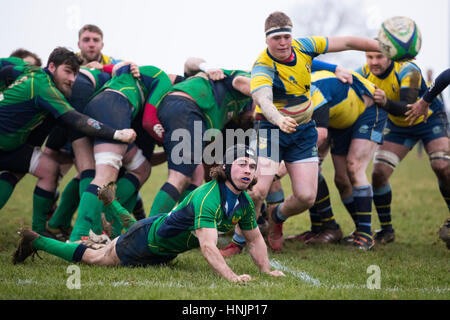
(440, 164)
(384, 163)
(43, 166)
(342, 183)
(306, 197)
(139, 165)
(353, 167)
(386, 158)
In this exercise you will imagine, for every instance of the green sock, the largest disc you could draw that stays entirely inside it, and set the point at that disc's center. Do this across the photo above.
(89, 214)
(8, 182)
(165, 199)
(127, 186)
(60, 249)
(116, 210)
(67, 206)
(42, 204)
(86, 178)
(131, 202)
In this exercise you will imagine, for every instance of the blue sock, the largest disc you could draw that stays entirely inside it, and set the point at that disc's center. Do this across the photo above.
(363, 204)
(382, 198)
(277, 216)
(239, 239)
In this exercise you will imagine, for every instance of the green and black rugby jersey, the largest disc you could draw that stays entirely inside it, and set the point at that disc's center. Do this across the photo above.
(174, 233)
(25, 103)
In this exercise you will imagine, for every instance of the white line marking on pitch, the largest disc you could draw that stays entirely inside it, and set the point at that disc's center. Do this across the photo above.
(309, 279)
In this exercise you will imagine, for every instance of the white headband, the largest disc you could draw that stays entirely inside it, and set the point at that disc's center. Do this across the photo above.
(278, 31)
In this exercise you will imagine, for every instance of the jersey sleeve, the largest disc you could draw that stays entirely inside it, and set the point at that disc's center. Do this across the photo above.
(262, 75)
(313, 46)
(361, 71)
(49, 98)
(206, 209)
(437, 86)
(409, 76)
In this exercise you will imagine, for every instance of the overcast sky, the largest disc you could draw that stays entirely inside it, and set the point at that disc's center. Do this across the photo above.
(228, 34)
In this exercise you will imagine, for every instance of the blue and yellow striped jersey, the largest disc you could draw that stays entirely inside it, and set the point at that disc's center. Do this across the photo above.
(345, 101)
(290, 81)
(399, 75)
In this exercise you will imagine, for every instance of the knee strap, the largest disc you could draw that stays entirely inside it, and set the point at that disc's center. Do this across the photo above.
(137, 160)
(37, 153)
(109, 158)
(386, 157)
(439, 155)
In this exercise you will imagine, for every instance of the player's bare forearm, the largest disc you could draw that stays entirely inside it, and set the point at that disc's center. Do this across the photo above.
(336, 44)
(257, 249)
(208, 246)
(264, 99)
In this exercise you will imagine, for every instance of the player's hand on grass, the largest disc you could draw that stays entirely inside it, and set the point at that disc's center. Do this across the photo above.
(276, 273)
(242, 278)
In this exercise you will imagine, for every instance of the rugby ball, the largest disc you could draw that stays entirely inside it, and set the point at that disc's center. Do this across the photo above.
(399, 38)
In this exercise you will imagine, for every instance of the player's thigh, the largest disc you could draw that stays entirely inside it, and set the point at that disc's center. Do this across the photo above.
(361, 153)
(304, 177)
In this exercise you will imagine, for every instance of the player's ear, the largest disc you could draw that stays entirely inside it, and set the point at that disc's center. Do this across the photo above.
(51, 67)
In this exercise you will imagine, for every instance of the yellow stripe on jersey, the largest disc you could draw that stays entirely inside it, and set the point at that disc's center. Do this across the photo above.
(345, 101)
(203, 201)
(291, 81)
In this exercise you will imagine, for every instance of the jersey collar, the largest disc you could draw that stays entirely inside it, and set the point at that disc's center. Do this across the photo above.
(289, 63)
(387, 72)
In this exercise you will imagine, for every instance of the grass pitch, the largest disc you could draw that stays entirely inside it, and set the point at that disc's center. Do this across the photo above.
(415, 266)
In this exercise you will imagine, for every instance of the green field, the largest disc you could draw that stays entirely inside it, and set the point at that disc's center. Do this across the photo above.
(415, 266)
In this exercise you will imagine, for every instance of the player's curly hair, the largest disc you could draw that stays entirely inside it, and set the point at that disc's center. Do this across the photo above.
(277, 19)
(23, 53)
(218, 173)
(61, 55)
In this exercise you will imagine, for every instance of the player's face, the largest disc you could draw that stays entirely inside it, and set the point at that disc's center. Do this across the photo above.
(280, 46)
(91, 45)
(64, 77)
(377, 62)
(243, 171)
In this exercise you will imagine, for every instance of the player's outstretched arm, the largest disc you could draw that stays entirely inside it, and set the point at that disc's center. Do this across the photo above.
(94, 128)
(208, 246)
(336, 44)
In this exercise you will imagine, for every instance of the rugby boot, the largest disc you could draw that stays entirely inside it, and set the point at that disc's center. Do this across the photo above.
(25, 247)
(384, 236)
(230, 250)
